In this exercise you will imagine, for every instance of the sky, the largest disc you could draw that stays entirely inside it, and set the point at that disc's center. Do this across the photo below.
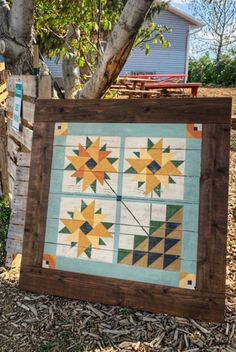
(181, 4)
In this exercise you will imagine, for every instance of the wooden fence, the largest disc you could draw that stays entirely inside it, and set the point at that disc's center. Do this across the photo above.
(3, 136)
(3, 85)
(19, 152)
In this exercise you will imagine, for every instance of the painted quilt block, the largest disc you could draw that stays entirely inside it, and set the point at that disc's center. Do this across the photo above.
(154, 167)
(86, 229)
(128, 199)
(156, 246)
(91, 164)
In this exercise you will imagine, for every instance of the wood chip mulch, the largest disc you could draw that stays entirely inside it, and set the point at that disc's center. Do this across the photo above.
(40, 323)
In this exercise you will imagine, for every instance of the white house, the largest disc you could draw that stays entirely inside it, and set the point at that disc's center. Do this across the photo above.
(172, 60)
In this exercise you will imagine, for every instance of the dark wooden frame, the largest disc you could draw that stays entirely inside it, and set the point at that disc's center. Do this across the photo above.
(207, 302)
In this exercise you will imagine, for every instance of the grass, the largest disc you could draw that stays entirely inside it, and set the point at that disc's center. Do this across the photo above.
(233, 142)
(4, 222)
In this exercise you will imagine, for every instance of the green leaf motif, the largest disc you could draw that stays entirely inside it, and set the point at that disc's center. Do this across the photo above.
(70, 167)
(64, 230)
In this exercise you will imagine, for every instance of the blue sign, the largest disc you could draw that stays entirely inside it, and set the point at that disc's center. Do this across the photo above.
(17, 106)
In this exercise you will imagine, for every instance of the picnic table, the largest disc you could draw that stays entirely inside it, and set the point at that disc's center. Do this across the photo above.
(160, 77)
(148, 86)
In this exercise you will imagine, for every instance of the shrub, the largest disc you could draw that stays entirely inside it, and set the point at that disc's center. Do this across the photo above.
(4, 222)
(210, 72)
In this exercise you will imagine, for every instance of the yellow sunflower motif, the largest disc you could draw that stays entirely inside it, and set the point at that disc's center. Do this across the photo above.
(86, 228)
(91, 164)
(154, 167)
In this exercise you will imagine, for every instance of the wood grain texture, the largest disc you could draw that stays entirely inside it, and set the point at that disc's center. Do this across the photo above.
(29, 84)
(3, 152)
(207, 301)
(38, 194)
(45, 87)
(18, 205)
(153, 298)
(213, 208)
(24, 136)
(198, 110)
(28, 109)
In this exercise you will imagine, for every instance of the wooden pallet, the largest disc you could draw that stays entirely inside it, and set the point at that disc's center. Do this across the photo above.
(18, 213)
(19, 152)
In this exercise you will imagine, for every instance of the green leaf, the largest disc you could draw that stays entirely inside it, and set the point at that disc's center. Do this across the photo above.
(64, 230)
(70, 167)
(83, 205)
(107, 225)
(88, 252)
(147, 49)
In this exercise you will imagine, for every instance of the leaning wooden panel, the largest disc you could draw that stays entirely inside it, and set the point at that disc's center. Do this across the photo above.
(118, 212)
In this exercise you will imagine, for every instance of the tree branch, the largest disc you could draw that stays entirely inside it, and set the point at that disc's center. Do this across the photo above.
(117, 50)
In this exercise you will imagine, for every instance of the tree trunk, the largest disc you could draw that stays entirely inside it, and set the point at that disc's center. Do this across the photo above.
(16, 43)
(117, 50)
(16, 35)
(71, 73)
(219, 49)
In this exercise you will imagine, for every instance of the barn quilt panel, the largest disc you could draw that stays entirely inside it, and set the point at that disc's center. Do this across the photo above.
(124, 201)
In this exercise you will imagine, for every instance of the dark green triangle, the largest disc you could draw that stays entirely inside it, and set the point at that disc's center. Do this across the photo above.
(172, 210)
(150, 144)
(154, 226)
(94, 186)
(177, 162)
(171, 180)
(73, 244)
(101, 242)
(131, 170)
(137, 154)
(140, 184)
(71, 214)
(167, 150)
(78, 179)
(112, 160)
(70, 167)
(158, 190)
(138, 240)
(83, 205)
(122, 253)
(64, 230)
(107, 225)
(88, 251)
(106, 177)
(99, 211)
(104, 148)
(88, 142)
(76, 151)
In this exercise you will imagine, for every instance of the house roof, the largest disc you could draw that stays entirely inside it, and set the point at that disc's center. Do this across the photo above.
(188, 18)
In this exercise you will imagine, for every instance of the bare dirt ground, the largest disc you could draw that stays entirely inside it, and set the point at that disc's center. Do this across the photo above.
(39, 323)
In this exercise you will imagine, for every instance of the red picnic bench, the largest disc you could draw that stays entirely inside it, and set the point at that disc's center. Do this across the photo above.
(168, 85)
(151, 85)
(160, 77)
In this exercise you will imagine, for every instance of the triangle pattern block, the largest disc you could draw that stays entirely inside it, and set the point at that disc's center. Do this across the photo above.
(140, 258)
(174, 213)
(171, 263)
(171, 211)
(170, 243)
(171, 226)
(156, 245)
